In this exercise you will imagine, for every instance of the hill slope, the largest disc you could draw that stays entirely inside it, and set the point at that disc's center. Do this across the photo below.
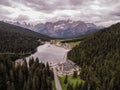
(99, 58)
(14, 39)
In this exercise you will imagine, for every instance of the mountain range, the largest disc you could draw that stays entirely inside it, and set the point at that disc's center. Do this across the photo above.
(62, 28)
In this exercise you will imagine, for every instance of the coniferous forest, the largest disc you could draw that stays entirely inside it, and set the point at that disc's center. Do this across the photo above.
(99, 59)
(31, 76)
(16, 42)
(98, 55)
(14, 39)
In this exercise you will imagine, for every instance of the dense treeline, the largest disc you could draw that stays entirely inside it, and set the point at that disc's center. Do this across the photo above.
(19, 77)
(76, 39)
(12, 57)
(99, 58)
(14, 43)
(72, 40)
(14, 39)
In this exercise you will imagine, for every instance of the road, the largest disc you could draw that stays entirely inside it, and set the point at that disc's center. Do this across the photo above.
(53, 55)
(57, 83)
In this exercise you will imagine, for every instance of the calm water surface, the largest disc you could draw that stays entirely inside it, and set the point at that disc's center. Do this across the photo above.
(49, 53)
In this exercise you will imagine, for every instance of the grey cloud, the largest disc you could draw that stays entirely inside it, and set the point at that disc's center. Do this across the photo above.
(52, 5)
(4, 18)
(115, 13)
(4, 11)
(22, 18)
(37, 5)
(5, 2)
(107, 9)
(4, 14)
(87, 13)
(77, 2)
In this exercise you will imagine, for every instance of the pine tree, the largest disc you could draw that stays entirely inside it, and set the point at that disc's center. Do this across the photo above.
(8, 86)
(37, 77)
(11, 76)
(20, 79)
(66, 79)
(12, 86)
(35, 83)
(25, 86)
(80, 86)
(31, 62)
(3, 75)
(76, 86)
(25, 70)
(75, 74)
(70, 86)
(48, 69)
(29, 84)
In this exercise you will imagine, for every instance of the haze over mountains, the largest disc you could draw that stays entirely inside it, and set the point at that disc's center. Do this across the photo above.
(62, 28)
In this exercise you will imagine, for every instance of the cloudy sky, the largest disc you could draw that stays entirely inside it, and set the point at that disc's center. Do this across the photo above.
(100, 12)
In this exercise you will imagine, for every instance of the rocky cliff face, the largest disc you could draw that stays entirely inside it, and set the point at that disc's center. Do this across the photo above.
(64, 29)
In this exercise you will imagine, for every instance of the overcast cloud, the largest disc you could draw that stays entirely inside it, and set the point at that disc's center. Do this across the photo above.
(100, 12)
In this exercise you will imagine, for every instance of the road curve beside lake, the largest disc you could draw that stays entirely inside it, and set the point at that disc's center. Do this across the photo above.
(57, 83)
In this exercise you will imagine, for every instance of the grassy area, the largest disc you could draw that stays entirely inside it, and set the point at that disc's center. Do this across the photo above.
(70, 80)
(53, 84)
(74, 43)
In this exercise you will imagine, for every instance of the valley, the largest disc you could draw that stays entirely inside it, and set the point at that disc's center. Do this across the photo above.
(67, 62)
(56, 57)
(59, 44)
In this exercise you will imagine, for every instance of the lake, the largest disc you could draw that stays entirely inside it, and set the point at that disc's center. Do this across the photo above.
(49, 53)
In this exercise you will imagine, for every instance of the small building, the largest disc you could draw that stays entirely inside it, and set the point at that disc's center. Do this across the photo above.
(67, 67)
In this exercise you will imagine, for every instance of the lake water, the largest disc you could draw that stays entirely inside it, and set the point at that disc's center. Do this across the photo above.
(49, 53)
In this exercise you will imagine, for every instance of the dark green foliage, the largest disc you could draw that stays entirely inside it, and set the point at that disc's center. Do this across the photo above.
(14, 43)
(75, 74)
(99, 58)
(76, 86)
(72, 40)
(11, 56)
(20, 77)
(70, 86)
(14, 39)
(66, 79)
(76, 39)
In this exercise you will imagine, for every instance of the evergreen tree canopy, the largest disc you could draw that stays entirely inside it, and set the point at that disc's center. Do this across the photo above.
(99, 58)
(19, 77)
(17, 39)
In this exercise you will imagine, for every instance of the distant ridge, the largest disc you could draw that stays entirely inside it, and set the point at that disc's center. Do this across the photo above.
(15, 39)
(62, 28)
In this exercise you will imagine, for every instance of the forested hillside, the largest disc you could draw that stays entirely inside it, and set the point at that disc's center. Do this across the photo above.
(17, 39)
(20, 77)
(99, 58)
(14, 43)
